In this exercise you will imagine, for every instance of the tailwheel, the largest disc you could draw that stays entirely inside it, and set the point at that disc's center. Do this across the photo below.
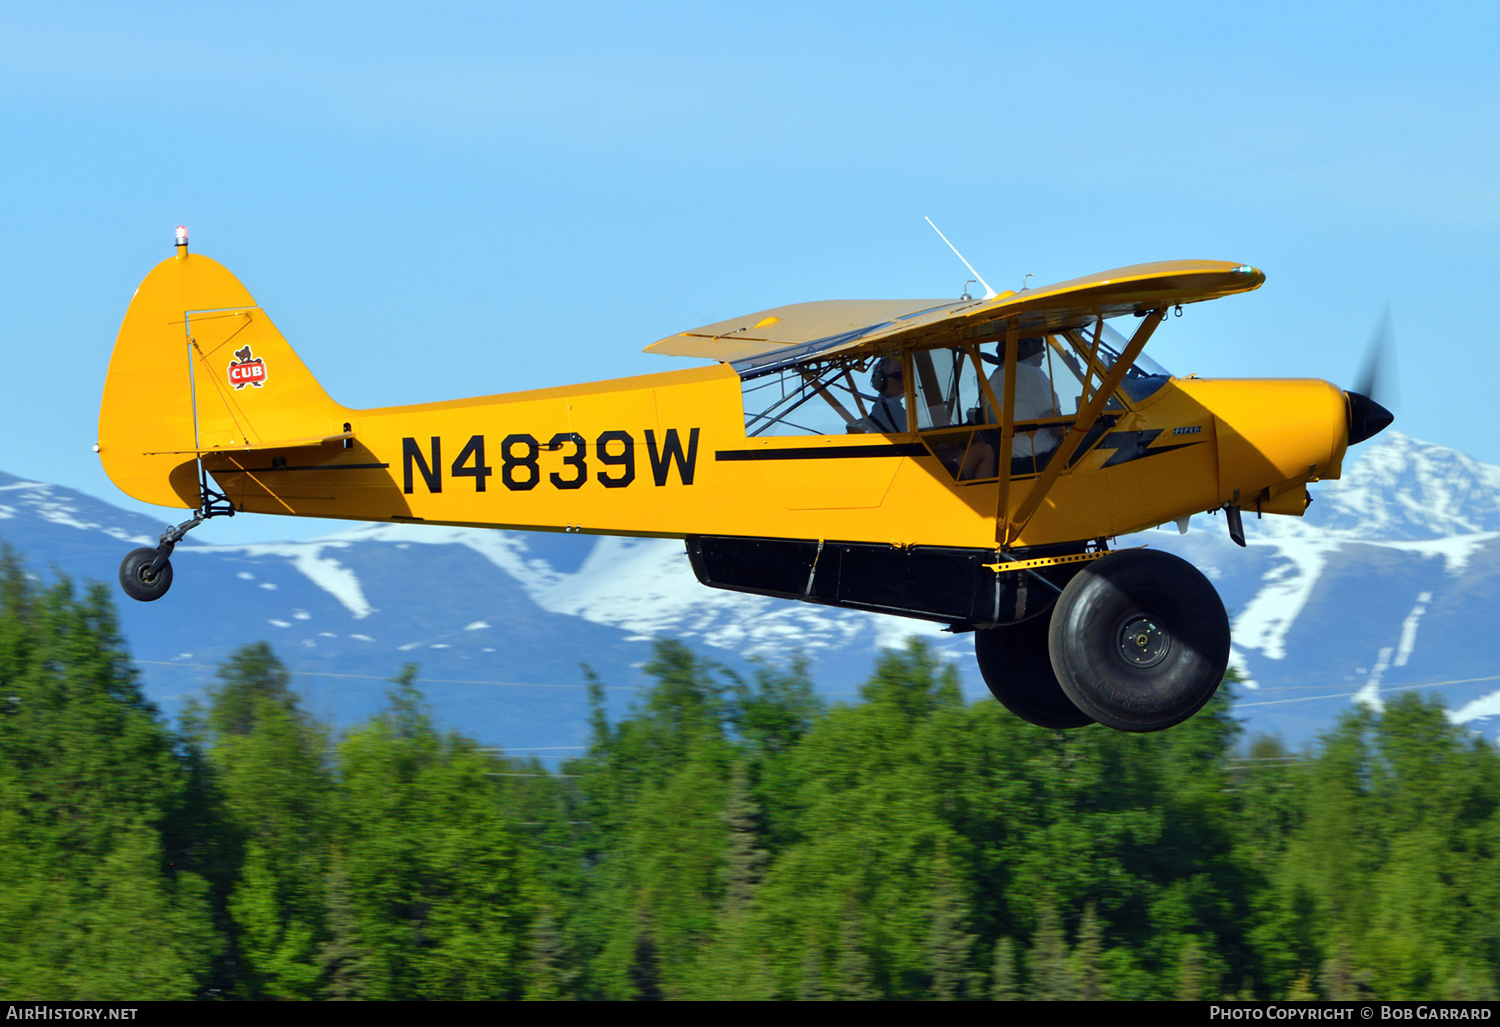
(1139, 640)
(141, 578)
(146, 574)
(1015, 665)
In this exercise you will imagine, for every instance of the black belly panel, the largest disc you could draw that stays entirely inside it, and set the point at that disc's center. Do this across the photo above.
(947, 584)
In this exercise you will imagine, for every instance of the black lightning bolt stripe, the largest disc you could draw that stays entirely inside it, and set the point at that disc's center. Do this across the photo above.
(823, 452)
(1097, 429)
(1135, 445)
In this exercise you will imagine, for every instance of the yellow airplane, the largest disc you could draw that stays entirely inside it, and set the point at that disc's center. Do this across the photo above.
(961, 461)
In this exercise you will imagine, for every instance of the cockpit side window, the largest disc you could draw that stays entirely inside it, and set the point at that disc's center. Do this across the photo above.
(839, 396)
(946, 388)
(957, 390)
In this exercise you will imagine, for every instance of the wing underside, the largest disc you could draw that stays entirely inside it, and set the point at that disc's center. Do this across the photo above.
(807, 329)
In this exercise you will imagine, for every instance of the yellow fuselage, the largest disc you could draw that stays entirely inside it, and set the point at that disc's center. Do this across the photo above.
(657, 455)
(666, 455)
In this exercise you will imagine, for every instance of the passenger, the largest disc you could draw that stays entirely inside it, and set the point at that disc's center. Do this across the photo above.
(889, 382)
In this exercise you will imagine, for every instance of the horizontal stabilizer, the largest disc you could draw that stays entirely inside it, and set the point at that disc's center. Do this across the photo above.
(250, 447)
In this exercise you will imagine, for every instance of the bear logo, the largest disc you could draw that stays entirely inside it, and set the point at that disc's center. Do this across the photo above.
(247, 370)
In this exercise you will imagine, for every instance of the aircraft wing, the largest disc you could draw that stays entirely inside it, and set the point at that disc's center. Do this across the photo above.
(767, 331)
(806, 329)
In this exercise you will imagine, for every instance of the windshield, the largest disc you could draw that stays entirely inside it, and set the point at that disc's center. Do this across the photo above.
(1145, 375)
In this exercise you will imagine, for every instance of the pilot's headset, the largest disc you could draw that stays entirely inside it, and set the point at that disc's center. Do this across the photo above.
(878, 377)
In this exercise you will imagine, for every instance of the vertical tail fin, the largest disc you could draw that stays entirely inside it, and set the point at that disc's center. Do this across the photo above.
(197, 366)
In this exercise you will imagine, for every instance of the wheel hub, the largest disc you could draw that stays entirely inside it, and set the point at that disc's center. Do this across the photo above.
(1142, 642)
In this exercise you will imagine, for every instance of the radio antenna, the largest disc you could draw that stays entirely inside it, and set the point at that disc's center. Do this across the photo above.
(989, 293)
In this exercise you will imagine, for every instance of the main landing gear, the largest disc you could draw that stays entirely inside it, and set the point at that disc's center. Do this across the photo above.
(1016, 667)
(1138, 641)
(146, 573)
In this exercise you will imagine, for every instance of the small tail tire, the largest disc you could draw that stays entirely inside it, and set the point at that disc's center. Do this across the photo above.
(138, 581)
(1016, 669)
(1139, 640)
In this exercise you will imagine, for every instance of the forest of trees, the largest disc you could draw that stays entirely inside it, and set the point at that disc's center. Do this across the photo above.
(727, 839)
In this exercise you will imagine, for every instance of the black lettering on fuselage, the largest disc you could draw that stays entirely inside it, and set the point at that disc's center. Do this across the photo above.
(624, 460)
(578, 460)
(529, 474)
(520, 460)
(473, 451)
(432, 475)
(671, 452)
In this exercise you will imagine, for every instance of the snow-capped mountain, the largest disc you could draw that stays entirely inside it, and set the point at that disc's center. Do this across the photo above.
(1390, 581)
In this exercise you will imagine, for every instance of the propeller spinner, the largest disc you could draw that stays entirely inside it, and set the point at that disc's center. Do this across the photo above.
(1368, 415)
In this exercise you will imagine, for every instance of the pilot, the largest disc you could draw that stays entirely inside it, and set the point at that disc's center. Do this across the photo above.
(1034, 399)
(889, 382)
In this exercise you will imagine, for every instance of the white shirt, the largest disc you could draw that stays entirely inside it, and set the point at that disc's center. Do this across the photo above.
(1034, 399)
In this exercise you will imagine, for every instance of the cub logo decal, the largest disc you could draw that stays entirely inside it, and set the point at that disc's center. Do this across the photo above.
(247, 370)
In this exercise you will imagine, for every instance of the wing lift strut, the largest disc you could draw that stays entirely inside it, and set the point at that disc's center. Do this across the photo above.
(1010, 525)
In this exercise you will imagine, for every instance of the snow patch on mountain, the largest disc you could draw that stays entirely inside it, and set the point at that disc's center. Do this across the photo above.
(1479, 709)
(1455, 551)
(1409, 628)
(1241, 666)
(507, 550)
(308, 558)
(44, 502)
(647, 586)
(1267, 618)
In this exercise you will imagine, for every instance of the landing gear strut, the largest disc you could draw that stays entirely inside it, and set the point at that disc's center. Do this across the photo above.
(146, 573)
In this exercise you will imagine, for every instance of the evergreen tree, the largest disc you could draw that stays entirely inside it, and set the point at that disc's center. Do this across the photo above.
(100, 897)
(870, 823)
(278, 794)
(811, 989)
(948, 943)
(1048, 966)
(657, 785)
(346, 970)
(1089, 971)
(745, 861)
(1190, 984)
(548, 973)
(1003, 984)
(435, 877)
(853, 976)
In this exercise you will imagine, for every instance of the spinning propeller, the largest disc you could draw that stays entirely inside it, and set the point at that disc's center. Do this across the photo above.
(1376, 387)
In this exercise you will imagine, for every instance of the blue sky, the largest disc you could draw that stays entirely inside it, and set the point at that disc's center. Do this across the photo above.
(435, 200)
